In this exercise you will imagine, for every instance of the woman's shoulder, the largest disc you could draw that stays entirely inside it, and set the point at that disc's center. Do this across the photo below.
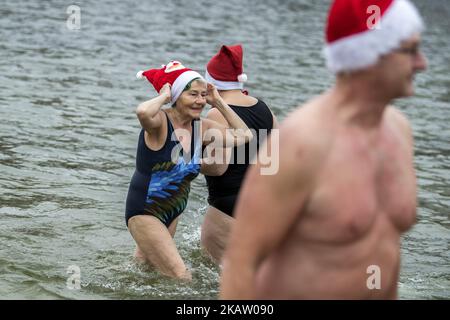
(261, 104)
(215, 115)
(246, 102)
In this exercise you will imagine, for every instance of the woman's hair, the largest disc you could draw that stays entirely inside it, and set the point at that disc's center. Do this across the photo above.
(188, 86)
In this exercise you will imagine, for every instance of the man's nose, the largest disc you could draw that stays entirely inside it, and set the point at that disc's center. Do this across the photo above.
(420, 62)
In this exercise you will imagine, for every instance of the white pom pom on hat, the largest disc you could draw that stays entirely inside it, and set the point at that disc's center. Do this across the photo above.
(242, 77)
(140, 75)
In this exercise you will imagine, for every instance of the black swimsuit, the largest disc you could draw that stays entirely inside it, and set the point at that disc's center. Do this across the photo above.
(223, 190)
(160, 185)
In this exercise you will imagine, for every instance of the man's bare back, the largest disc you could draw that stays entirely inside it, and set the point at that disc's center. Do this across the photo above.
(362, 199)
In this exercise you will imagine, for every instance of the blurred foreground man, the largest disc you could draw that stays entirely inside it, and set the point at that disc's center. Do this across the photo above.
(327, 225)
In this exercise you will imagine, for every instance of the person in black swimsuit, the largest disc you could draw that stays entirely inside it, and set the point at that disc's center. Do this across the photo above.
(224, 180)
(168, 159)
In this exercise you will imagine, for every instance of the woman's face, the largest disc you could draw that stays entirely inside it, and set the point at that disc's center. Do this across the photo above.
(192, 101)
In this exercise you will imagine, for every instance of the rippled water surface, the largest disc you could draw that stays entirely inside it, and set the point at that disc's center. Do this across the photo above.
(68, 134)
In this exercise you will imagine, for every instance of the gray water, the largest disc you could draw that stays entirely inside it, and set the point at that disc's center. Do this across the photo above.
(68, 134)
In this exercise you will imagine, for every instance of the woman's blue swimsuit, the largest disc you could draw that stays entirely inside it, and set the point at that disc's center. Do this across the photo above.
(160, 185)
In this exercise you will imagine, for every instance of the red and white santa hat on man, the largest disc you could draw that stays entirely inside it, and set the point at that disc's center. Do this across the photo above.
(174, 73)
(360, 31)
(225, 70)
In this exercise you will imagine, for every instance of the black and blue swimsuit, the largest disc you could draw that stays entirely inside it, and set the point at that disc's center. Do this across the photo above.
(160, 185)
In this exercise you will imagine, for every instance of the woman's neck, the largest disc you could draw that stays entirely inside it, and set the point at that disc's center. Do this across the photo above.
(237, 97)
(178, 119)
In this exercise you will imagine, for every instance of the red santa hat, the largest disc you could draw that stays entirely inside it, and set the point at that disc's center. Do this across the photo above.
(225, 70)
(360, 31)
(174, 73)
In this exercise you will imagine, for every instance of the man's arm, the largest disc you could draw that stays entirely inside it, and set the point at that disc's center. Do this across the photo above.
(268, 207)
(402, 122)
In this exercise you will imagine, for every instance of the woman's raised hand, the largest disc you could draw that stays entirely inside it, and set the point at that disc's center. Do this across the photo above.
(165, 91)
(213, 95)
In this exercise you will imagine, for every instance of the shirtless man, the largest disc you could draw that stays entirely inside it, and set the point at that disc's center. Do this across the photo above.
(328, 224)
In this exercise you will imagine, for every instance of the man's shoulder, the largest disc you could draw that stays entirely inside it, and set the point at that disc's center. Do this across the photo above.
(397, 117)
(304, 136)
(307, 121)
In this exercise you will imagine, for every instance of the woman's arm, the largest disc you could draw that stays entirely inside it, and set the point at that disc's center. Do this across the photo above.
(215, 162)
(237, 134)
(275, 123)
(148, 111)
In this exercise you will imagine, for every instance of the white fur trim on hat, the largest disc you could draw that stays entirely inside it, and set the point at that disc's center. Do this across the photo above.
(400, 21)
(181, 82)
(224, 85)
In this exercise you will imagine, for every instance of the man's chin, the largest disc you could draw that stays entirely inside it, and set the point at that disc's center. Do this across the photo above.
(409, 91)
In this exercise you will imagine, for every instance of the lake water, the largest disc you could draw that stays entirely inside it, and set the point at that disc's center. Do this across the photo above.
(68, 134)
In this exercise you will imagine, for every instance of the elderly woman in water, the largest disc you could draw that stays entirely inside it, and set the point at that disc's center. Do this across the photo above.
(168, 159)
